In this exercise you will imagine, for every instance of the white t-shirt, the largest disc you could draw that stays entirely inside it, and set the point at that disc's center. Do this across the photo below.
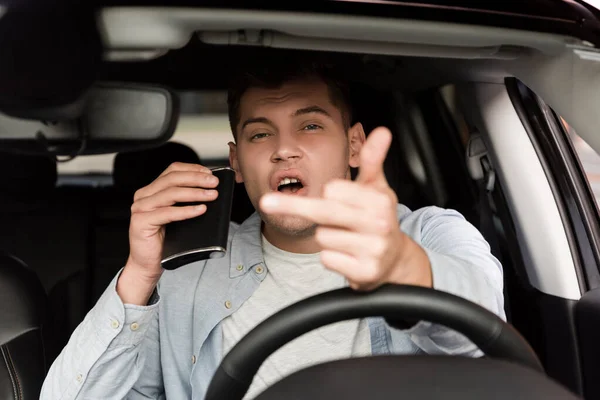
(292, 277)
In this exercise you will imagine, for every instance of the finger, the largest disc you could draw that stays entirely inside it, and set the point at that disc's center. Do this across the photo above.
(165, 215)
(318, 210)
(372, 157)
(371, 200)
(190, 167)
(355, 244)
(359, 275)
(178, 178)
(172, 195)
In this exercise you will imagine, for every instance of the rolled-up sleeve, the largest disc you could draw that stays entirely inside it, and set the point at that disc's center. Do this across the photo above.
(110, 354)
(462, 264)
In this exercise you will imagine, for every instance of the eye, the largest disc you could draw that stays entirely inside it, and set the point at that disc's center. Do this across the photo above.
(311, 127)
(259, 136)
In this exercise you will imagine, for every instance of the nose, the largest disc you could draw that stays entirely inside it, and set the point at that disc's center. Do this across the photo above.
(287, 148)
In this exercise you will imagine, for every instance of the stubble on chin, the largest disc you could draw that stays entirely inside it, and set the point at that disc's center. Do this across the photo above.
(290, 226)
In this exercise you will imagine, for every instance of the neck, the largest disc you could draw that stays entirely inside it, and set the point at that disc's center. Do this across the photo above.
(301, 244)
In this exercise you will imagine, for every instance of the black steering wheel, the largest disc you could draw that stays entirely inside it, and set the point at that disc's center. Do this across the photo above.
(491, 334)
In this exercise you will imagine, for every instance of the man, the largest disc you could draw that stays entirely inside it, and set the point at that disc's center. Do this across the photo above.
(156, 334)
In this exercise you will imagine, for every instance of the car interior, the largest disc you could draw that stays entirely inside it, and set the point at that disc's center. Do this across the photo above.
(464, 109)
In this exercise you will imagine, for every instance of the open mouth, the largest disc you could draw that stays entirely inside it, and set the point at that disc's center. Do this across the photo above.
(289, 185)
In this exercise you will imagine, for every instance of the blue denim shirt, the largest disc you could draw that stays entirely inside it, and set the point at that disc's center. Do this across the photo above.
(171, 348)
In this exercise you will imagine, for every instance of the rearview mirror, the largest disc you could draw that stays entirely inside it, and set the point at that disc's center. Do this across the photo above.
(114, 117)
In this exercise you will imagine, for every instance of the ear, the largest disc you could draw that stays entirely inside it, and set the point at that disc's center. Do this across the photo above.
(233, 161)
(356, 139)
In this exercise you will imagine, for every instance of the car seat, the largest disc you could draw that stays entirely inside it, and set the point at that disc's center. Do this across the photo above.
(48, 230)
(22, 311)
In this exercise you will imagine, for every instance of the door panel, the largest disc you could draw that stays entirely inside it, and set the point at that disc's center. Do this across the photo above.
(587, 314)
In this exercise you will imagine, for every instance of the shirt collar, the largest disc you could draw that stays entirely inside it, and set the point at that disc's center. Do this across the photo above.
(246, 246)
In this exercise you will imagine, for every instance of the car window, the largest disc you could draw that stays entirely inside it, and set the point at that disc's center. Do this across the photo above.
(588, 158)
(203, 125)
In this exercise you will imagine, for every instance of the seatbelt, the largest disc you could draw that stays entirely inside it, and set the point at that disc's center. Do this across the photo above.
(481, 170)
(488, 207)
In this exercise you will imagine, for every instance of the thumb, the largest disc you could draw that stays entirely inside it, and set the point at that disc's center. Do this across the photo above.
(372, 156)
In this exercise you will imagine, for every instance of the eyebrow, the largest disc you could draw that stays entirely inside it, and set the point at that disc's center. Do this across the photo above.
(311, 110)
(297, 113)
(257, 120)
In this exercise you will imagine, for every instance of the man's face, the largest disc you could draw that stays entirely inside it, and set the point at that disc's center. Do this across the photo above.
(292, 139)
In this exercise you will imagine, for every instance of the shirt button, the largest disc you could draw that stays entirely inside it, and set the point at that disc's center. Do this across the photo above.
(259, 269)
(134, 326)
(114, 323)
(239, 267)
(193, 359)
(227, 304)
(79, 378)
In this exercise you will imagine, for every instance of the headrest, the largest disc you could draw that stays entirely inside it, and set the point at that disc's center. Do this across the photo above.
(24, 175)
(23, 298)
(135, 169)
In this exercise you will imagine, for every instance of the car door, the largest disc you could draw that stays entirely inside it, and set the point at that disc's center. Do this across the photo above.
(580, 217)
(542, 213)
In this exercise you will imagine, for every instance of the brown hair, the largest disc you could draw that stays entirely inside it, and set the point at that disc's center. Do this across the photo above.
(271, 74)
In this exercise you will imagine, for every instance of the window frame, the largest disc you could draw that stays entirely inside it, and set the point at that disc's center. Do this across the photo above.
(567, 180)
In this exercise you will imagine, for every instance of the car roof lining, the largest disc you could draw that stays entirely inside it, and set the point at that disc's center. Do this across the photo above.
(163, 28)
(563, 70)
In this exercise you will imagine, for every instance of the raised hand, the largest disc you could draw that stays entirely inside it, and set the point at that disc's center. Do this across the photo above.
(154, 207)
(358, 227)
